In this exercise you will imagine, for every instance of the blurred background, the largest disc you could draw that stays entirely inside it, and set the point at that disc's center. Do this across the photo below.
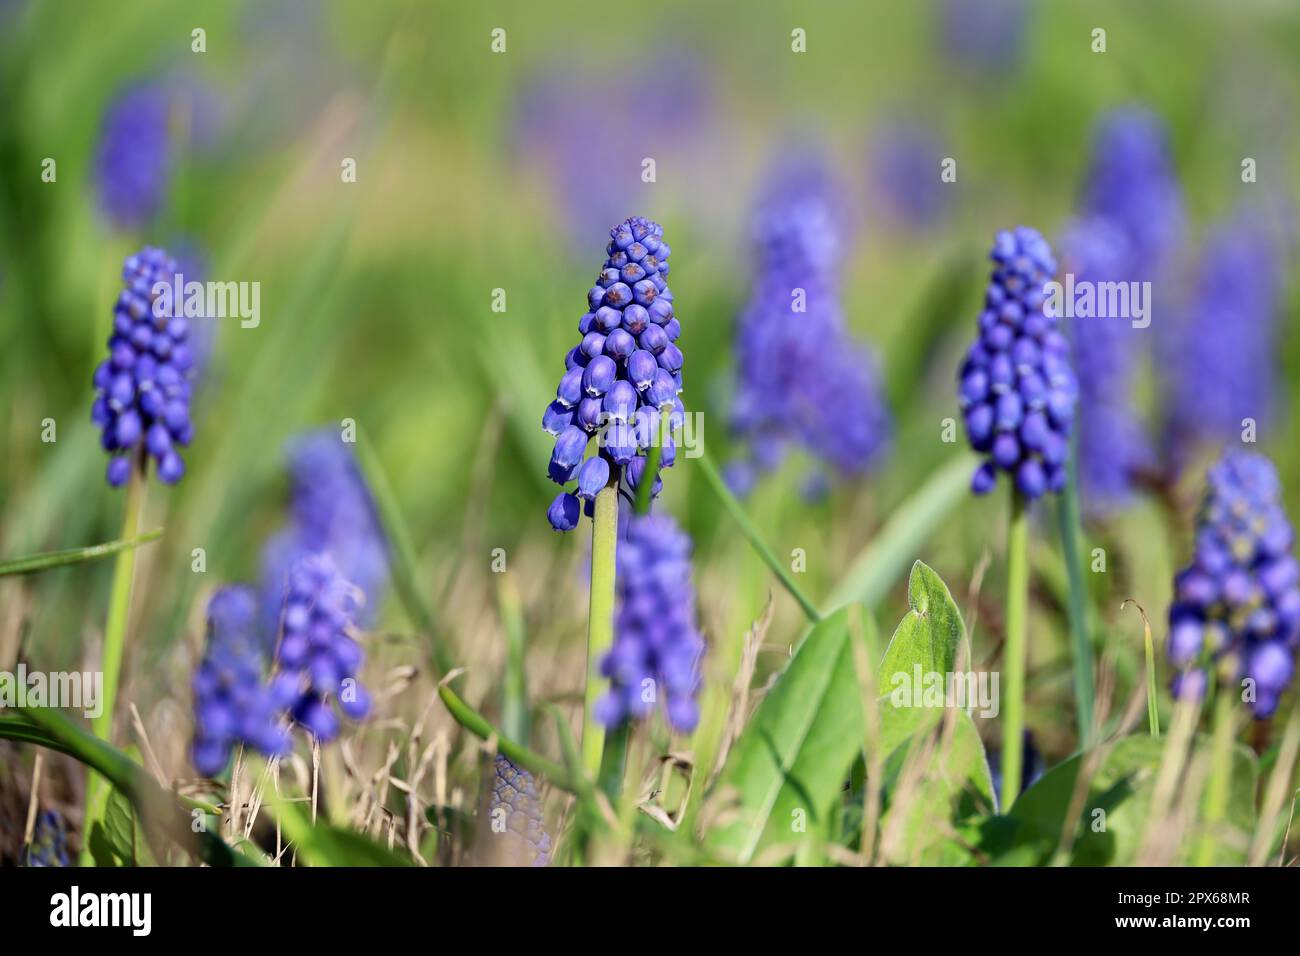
(479, 170)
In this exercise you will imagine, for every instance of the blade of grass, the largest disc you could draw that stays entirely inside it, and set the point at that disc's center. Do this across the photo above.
(1149, 653)
(1080, 635)
(50, 729)
(891, 552)
(477, 724)
(57, 559)
(742, 519)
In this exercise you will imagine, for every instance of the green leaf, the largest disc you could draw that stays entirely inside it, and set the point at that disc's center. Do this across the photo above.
(878, 565)
(796, 752)
(1122, 788)
(120, 839)
(160, 811)
(322, 844)
(57, 559)
(955, 782)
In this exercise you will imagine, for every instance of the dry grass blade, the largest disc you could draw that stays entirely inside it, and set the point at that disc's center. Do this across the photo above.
(739, 712)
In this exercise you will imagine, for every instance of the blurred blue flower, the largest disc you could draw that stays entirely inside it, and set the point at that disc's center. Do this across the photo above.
(1113, 445)
(143, 389)
(988, 35)
(619, 376)
(1236, 606)
(597, 176)
(49, 846)
(331, 512)
(1132, 184)
(657, 647)
(1221, 355)
(515, 805)
(801, 377)
(232, 704)
(1016, 387)
(904, 169)
(142, 131)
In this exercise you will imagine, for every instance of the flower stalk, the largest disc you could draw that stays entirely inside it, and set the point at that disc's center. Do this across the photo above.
(1015, 650)
(119, 608)
(600, 621)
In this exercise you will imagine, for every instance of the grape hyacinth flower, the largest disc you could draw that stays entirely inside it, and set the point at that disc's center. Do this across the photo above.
(1236, 606)
(515, 802)
(142, 389)
(318, 660)
(142, 128)
(332, 512)
(657, 646)
(1132, 185)
(802, 379)
(1113, 445)
(1017, 388)
(49, 846)
(133, 161)
(1221, 355)
(232, 704)
(623, 373)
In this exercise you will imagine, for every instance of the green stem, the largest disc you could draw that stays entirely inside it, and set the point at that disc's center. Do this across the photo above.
(600, 620)
(1080, 640)
(1014, 651)
(1216, 794)
(652, 456)
(119, 609)
(477, 724)
(737, 512)
(613, 760)
(56, 559)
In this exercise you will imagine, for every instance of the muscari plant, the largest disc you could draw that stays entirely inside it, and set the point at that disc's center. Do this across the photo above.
(1018, 392)
(142, 407)
(802, 380)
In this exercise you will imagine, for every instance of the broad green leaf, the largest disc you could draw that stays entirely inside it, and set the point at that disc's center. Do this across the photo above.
(953, 781)
(57, 559)
(791, 761)
(1121, 789)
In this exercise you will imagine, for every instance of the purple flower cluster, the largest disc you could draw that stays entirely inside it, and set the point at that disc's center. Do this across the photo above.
(316, 577)
(1132, 222)
(1113, 445)
(331, 512)
(514, 798)
(141, 129)
(133, 162)
(657, 647)
(142, 388)
(318, 660)
(1132, 185)
(1237, 605)
(1222, 354)
(618, 379)
(232, 703)
(802, 378)
(1017, 389)
(314, 663)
